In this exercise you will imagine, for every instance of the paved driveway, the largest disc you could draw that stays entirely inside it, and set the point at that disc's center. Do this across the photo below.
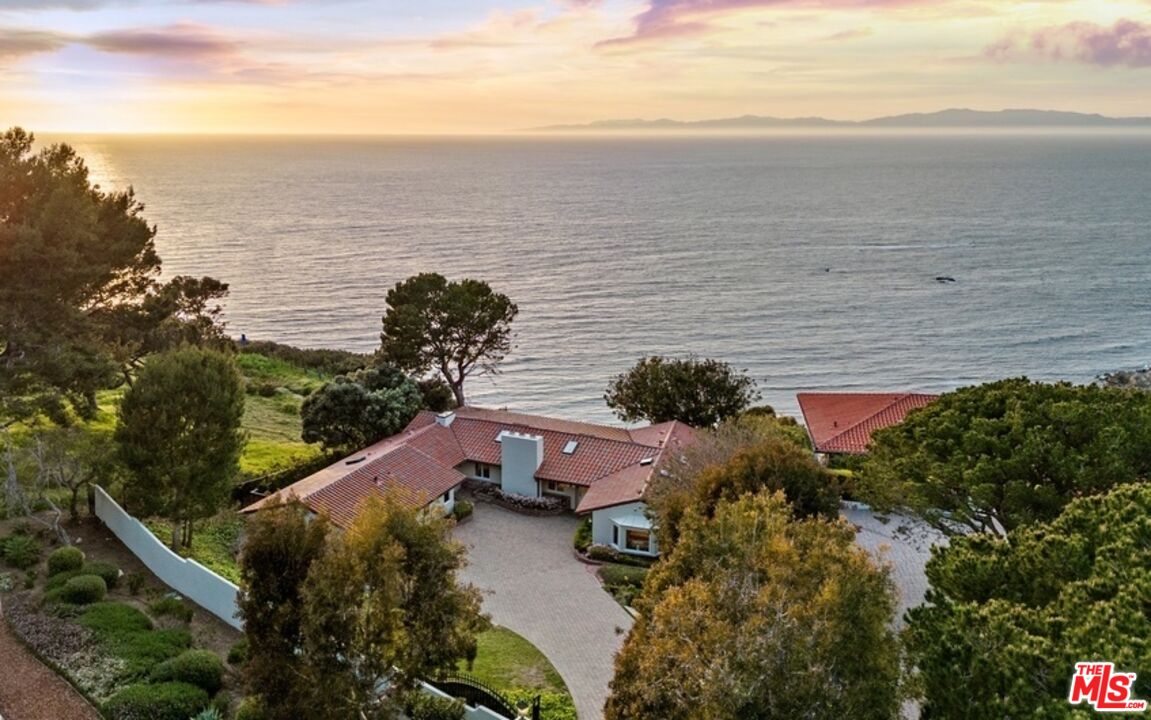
(534, 586)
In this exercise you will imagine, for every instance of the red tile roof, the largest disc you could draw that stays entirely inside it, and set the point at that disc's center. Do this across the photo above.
(419, 462)
(844, 422)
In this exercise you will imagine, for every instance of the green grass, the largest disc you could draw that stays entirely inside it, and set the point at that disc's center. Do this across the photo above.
(214, 542)
(507, 661)
(273, 426)
(263, 369)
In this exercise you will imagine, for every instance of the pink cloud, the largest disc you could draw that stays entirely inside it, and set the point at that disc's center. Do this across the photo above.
(1126, 43)
(182, 40)
(678, 18)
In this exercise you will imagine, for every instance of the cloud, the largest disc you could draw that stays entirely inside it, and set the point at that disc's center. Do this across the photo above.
(853, 34)
(1127, 43)
(179, 41)
(19, 43)
(93, 4)
(680, 18)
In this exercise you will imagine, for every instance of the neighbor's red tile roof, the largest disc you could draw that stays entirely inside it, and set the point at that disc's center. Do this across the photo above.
(844, 422)
(419, 463)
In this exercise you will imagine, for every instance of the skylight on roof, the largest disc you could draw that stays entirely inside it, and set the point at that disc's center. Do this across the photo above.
(647, 461)
(571, 446)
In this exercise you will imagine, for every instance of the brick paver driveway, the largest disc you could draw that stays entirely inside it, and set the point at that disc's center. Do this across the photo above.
(533, 585)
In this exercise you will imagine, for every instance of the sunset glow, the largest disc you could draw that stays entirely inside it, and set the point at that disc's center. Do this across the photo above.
(460, 66)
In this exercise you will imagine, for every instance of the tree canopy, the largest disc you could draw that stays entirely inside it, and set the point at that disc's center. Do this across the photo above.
(756, 615)
(179, 436)
(699, 392)
(1006, 619)
(79, 296)
(379, 602)
(354, 411)
(456, 328)
(994, 457)
(748, 454)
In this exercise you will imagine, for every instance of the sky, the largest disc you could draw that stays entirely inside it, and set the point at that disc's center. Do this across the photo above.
(483, 66)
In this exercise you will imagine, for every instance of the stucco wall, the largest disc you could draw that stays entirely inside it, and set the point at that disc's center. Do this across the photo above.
(601, 520)
(520, 457)
(187, 577)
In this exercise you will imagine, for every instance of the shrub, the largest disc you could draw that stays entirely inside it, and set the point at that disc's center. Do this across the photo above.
(210, 713)
(6, 582)
(65, 559)
(616, 575)
(553, 705)
(108, 571)
(462, 509)
(172, 607)
(238, 653)
(136, 582)
(202, 668)
(57, 581)
(421, 706)
(515, 501)
(249, 709)
(267, 389)
(583, 539)
(30, 579)
(127, 633)
(166, 701)
(21, 551)
(603, 553)
(114, 618)
(84, 590)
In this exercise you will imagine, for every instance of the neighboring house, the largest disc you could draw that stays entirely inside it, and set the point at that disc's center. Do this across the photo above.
(842, 423)
(598, 469)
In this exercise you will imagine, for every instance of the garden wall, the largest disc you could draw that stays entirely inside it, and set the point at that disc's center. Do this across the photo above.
(187, 577)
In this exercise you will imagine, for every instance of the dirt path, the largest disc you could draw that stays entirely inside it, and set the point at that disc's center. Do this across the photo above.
(31, 691)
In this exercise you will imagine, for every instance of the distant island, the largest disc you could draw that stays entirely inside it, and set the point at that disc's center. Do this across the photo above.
(954, 118)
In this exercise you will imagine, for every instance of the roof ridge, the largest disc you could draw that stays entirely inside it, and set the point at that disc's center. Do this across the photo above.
(897, 398)
(567, 432)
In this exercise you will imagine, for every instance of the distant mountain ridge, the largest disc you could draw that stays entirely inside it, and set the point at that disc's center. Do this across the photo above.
(953, 118)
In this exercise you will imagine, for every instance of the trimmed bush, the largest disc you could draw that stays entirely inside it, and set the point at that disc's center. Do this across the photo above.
(55, 582)
(583, 540)
(111, 618)
(462, 509)
(166, 701)
(21, 551)
(421, 706)
(172, 607)
(126, 633)
(84, 590)
(238, 653)
(108, 571)
(65, 559)
(616, 575)
(202, 668)
(603, 553)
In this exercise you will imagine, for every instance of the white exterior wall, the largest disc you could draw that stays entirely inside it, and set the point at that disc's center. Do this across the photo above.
(444, 507)
(469, 469)
(470, 713)
(602, 522)
(520, 457)
(187, 577)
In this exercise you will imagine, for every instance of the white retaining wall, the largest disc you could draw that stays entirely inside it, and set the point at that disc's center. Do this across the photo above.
(187, 577)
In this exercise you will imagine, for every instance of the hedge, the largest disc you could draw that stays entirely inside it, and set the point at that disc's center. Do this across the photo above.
(202, 668)
(84, 590)
(165, 701)
(65, 559)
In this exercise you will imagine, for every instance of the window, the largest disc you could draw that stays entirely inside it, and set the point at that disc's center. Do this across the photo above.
(555, 486)
(447, 496)
(484, 471)
(638, 540)
(615, 535)
(571, 446)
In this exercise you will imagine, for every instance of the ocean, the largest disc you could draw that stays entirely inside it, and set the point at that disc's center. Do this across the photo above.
(810, 261)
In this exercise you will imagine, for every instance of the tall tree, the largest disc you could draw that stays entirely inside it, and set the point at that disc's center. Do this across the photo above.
(79, 295)
(745, 455)
(384, 603)
(179, 436)
(281, 544)
(354, 411)
(755, 615)
(1006, 619)
(457, 328)
(699, 392)
(994, 457)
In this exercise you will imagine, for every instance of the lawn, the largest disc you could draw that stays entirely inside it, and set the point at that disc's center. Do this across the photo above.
(506, 660)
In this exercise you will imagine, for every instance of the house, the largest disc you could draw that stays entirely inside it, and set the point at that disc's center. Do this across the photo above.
(842, 423)
(599, 470)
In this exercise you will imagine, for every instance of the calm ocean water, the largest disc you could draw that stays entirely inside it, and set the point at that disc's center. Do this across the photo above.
(810, 261)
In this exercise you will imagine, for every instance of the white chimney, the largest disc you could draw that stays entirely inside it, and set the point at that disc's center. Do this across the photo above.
(520, 456)
(445, 419)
